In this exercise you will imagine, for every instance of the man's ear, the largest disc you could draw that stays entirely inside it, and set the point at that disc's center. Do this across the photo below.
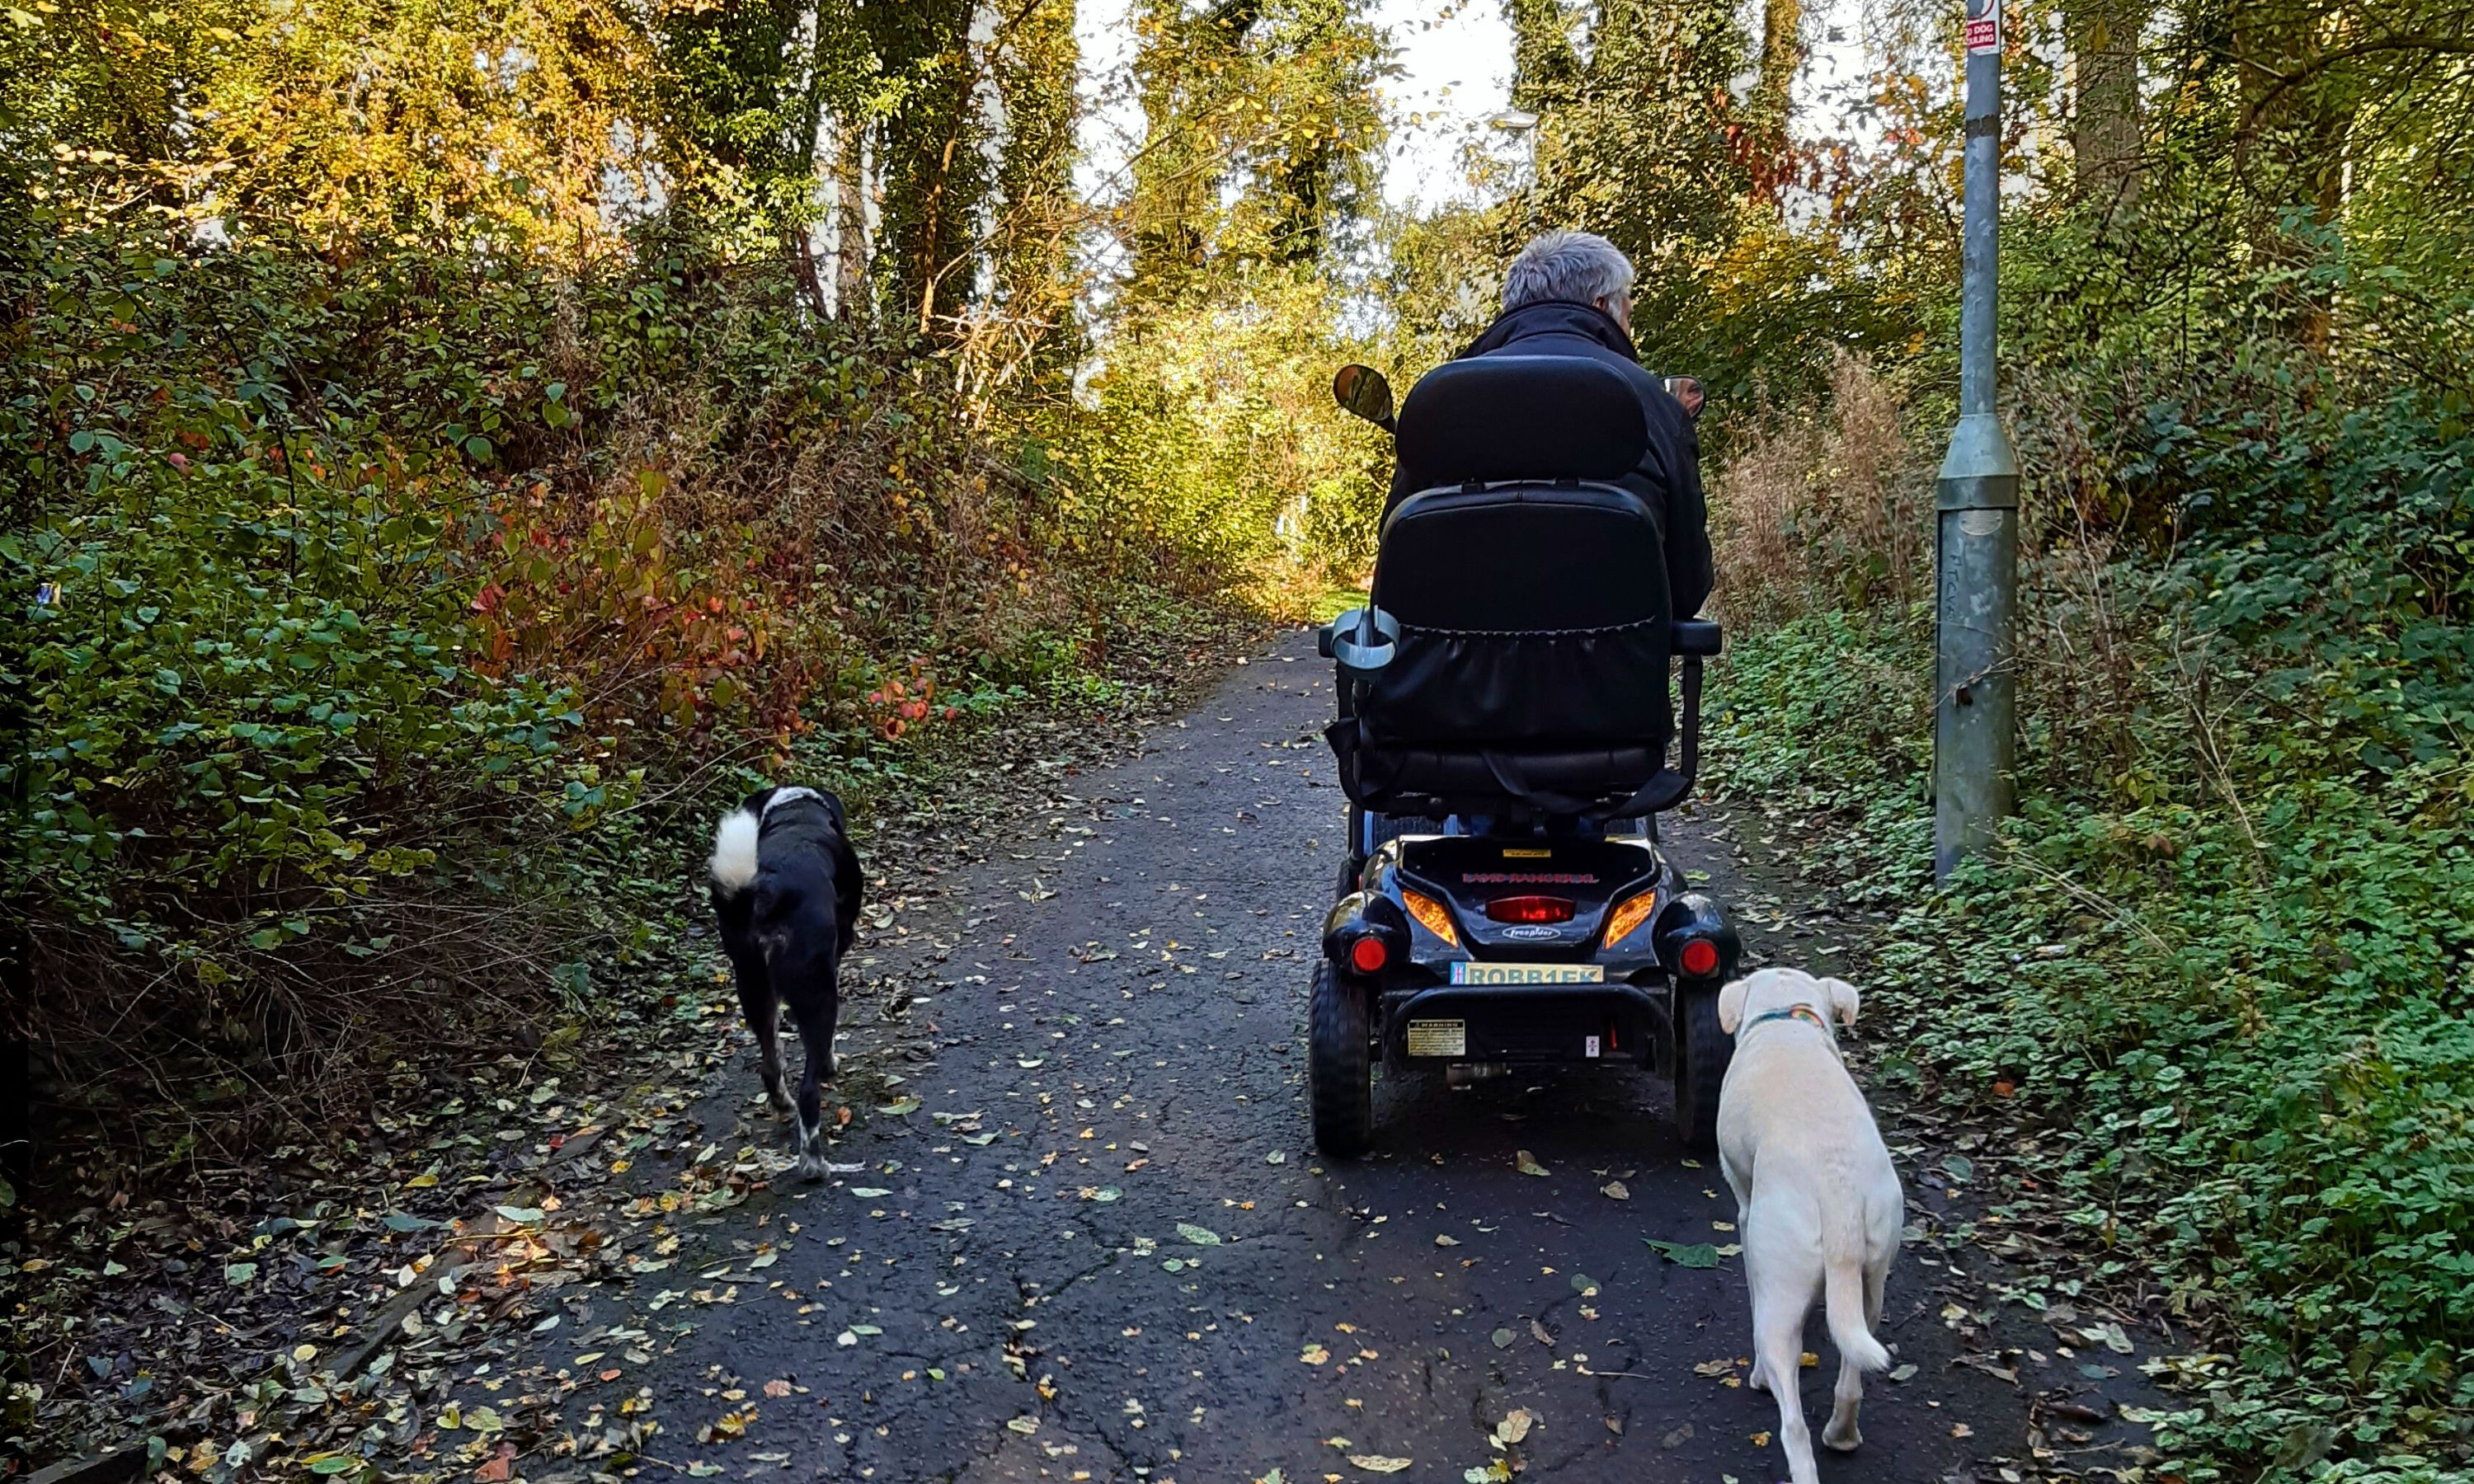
(1730, 1004)
(1843, 999)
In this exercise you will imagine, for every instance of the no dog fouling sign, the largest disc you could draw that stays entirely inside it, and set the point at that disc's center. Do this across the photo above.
(1983, 26)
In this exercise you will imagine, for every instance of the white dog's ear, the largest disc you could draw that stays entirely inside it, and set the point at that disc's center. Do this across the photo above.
(1730, 1004)
(1843, 999)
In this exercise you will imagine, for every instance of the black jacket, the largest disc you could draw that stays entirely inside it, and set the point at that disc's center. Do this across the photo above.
(1669, 476)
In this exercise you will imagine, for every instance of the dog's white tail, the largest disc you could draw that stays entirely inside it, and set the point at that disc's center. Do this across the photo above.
(734, 851)
(1842, 1297)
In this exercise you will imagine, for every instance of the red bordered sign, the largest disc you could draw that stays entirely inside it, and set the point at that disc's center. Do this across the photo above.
(1983, 26)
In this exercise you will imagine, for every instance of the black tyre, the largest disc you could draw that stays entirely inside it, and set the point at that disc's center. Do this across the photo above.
(1340, 1081)
(1702, 1052)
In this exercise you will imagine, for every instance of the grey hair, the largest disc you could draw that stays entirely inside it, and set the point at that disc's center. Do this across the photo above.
(1574, 267)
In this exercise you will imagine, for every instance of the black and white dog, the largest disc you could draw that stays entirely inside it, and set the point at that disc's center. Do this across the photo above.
(786, 884)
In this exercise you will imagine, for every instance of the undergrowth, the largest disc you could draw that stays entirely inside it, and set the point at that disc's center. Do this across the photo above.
(2215, 967)
(374, 612)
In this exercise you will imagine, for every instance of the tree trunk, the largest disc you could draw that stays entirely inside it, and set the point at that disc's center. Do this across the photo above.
(851, 299)
(2289, 154)
(1771, 104)
(2104, 133)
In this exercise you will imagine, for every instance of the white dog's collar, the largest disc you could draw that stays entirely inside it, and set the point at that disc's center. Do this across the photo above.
(1798, 1012)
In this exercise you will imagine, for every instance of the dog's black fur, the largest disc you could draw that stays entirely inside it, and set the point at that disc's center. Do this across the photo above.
(787, 888)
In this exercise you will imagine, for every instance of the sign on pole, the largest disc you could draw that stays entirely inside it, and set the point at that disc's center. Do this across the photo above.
(1983, 26)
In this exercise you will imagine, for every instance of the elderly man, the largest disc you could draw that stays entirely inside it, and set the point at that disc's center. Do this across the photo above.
(1570, 293)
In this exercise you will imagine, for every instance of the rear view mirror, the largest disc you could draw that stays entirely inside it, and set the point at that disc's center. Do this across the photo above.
(1362, 392)
(1688, 390)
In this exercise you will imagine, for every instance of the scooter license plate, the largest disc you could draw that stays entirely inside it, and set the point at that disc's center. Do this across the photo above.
(1465, 973)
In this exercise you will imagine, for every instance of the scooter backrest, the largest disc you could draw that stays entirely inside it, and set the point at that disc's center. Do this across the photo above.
(1523, 557)
(1522, 416)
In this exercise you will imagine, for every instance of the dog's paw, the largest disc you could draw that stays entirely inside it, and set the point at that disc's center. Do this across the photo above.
(1759, 1380)
(811, 1167)
(1846, 1442)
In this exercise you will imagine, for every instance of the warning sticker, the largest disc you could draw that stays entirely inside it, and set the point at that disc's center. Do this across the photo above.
(1438, 1038)
(1983, 25)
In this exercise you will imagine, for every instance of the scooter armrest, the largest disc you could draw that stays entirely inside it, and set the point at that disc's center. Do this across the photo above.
(1694, 636)
(1363, 640)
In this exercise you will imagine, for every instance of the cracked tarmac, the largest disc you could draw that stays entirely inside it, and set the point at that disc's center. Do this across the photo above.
(1147, 1272)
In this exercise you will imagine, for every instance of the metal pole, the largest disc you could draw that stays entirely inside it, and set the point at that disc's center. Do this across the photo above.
(1977, 512)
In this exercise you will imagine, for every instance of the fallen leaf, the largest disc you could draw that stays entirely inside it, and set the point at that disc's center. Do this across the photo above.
(1514, 1426)
(777, 1388)
(1616, 1191)
(1528, 1162)
(1376, 1463)
(1441, 1241)
(1696, 1255)
(1199, 1236)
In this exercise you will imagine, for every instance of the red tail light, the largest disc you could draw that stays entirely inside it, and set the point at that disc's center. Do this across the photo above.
(1368, 955)
(1699, 958)
(1530, 909)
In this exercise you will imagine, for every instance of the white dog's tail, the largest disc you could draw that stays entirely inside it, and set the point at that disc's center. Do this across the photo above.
(1842, 1297)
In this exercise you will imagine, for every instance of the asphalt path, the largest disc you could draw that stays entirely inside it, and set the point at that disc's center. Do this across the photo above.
(1101, 1245)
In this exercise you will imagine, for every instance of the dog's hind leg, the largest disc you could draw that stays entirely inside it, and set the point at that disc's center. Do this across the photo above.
(1758, 1379)
(1842, 1432)
(816, 1033)
(762, 1010)
(1778, 1328)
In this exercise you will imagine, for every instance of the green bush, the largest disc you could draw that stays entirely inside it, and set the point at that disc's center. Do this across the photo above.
(354, 590)
(2227, 980)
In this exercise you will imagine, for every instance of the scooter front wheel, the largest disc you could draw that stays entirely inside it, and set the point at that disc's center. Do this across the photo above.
(1340, 1078)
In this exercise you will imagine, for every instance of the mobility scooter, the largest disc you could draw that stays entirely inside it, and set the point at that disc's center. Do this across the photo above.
(1503, 739)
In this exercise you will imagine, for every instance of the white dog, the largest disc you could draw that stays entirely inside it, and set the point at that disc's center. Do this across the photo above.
(1819, 1201)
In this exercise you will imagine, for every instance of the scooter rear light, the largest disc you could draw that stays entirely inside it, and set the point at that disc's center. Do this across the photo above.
(1368, 955)
(1433, 915)
(1530, 909)
(1699, 958)
(1628, 915)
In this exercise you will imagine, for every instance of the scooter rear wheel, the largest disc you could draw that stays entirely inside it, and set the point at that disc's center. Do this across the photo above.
(1339, 1078)
(1702, 1052)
